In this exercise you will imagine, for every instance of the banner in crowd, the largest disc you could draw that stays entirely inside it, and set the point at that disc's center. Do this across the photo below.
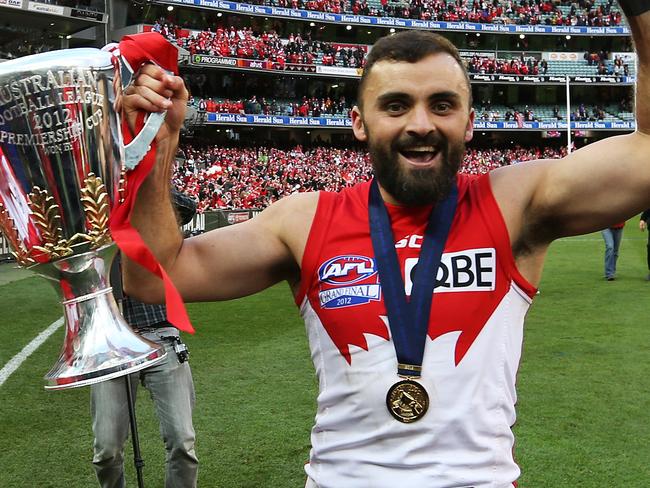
(553, 125)
(86, 14)
(219, 61)
(480, 54)
(553, 79)
(401, 23)
(11, 3)
(563, 56)
(250, 64)
(46, 8)
(53, 9)
(344, 123)
(279, 120)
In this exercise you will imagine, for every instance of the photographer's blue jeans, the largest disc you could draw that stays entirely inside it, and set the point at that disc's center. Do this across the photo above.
(172, 391)
(612, 243)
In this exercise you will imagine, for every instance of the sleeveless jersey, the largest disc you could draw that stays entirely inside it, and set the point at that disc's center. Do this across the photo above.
(471, 355)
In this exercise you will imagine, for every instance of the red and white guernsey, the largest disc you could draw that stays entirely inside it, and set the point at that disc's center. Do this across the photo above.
(470, 360)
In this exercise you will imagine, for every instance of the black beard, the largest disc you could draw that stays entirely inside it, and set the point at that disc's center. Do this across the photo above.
(417, 186)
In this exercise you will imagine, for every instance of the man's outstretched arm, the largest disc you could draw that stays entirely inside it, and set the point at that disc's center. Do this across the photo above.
(599, 185)
(222, 264)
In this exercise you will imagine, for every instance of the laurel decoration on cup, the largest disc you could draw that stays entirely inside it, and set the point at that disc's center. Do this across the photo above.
(8, 228)
(47, 220)
(96, 206)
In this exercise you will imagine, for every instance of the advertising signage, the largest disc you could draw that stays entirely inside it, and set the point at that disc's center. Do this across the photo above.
(346, 123)
(220, 61)
(310, 15)
(280, 120)
(552, 79)
(86, 14)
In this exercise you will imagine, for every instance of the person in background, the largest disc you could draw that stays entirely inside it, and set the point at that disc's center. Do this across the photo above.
(643, 225)
(169, 383)
(612, 236)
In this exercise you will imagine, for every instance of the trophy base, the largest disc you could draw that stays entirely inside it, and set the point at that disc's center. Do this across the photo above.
(72, 378)
(99, 345)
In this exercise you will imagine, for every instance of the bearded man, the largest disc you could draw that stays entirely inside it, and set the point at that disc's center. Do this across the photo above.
(417, 387)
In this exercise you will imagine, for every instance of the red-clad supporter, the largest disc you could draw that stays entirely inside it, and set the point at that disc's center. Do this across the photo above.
(210, 105)
(230, 178)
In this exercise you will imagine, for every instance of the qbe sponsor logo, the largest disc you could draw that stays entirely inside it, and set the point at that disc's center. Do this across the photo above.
(468, 270)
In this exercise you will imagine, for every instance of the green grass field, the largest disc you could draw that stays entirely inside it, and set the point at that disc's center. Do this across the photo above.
(583, 410)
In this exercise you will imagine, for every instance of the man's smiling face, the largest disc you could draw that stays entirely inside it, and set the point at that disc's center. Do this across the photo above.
(416, 120)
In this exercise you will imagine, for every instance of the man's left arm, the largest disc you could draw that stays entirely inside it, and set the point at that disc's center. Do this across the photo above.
(594, 187)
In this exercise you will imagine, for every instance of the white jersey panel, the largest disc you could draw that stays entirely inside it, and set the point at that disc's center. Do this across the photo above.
(465, 437)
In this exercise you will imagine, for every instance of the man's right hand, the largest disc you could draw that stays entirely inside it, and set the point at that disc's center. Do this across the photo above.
(153, 90)
(643, 225)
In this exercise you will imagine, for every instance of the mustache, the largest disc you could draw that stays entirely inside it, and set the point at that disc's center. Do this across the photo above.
(432, 139)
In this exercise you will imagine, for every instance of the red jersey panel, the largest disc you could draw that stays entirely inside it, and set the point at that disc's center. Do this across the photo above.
(470, 360)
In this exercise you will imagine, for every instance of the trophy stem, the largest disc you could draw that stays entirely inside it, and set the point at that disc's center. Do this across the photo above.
(99, 344)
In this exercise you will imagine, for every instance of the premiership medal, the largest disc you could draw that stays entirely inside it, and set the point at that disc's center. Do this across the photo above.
(407, 401)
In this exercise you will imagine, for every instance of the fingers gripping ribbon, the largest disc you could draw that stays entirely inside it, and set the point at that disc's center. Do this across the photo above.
(133, 52)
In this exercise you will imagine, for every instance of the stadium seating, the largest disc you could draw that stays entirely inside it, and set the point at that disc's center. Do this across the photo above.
(524, 12)
(268, 46)
(255, 177)
(318, 107)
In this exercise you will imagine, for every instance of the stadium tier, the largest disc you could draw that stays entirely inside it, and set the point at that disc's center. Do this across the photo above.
(281, 70)
(599, 13)
(230, 42)
(326, 107)
(245, 178)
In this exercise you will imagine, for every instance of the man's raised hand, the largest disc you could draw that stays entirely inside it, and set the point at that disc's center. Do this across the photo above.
(153, 90)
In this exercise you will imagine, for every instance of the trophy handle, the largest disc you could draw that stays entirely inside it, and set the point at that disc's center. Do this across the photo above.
(137, 149)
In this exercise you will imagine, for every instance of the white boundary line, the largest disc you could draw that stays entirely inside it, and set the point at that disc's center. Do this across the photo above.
(15, 362)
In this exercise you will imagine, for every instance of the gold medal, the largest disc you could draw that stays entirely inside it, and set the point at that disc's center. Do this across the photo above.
(407, 401)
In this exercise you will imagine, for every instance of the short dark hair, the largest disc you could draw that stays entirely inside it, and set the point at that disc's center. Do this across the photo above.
(410, 46)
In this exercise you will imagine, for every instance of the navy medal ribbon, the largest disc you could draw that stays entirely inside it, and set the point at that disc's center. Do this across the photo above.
(409, 320)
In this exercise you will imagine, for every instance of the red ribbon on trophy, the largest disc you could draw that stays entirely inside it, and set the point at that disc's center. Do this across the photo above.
(137, 50)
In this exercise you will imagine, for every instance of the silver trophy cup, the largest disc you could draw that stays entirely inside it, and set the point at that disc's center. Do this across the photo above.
(61, 171)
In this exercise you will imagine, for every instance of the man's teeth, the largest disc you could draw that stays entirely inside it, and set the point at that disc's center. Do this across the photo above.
(420, 154)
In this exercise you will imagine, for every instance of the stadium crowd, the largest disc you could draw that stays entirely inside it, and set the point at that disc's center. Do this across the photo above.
(524, 65)
(522, 12)
(245, 44)
(245, 178)
(20, 48)
(269, 47)
(295, 106)
(307, 107)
